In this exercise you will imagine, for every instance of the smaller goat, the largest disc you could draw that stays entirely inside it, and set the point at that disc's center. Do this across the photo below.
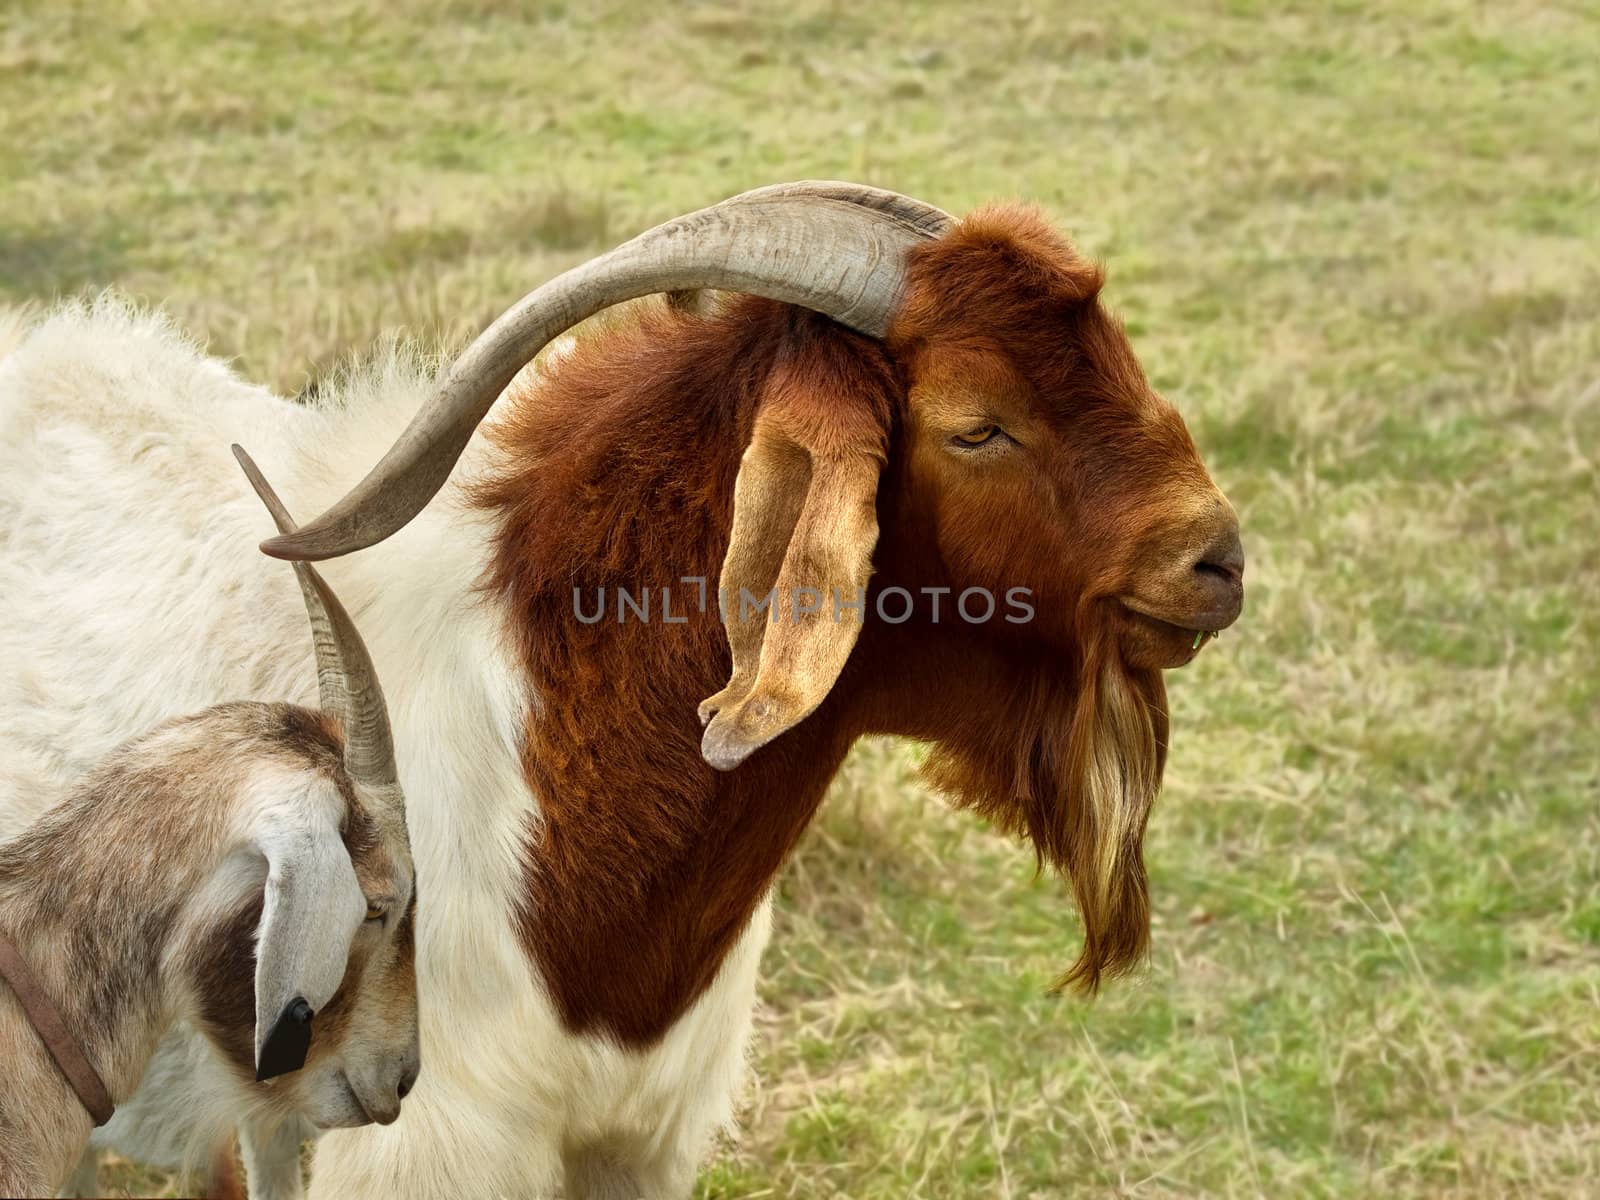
(245, 869)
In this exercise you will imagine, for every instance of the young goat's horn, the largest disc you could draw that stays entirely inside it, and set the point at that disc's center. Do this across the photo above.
(837, 248)
(346, 680)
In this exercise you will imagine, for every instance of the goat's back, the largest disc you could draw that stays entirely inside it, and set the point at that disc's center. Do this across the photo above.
(126, 545)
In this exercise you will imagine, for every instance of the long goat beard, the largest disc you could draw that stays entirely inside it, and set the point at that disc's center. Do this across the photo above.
(1074, 765)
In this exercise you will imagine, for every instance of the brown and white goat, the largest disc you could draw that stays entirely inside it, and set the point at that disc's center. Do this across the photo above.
(244, 869)
(902, 407)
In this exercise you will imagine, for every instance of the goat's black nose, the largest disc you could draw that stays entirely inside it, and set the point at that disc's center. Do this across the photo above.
(407, 1082)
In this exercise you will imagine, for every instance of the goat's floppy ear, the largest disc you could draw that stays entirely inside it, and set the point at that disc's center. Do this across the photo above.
(312, 908)
(804, 527)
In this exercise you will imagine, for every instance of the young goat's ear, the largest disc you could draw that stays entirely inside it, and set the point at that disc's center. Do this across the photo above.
(312, 908)
(793, 587)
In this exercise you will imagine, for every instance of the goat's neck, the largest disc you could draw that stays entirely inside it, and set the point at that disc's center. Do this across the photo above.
(646, 865)
(94, 922)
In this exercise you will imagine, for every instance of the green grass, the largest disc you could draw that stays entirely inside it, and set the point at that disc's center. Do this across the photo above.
(1358, 244)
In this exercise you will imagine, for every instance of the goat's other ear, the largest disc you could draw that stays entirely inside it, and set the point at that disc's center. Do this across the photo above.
(804, 527)
(312, 908)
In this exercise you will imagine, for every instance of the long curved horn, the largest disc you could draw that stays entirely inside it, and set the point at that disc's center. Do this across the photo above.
(930, 221)
(837, 248)
(346, 680)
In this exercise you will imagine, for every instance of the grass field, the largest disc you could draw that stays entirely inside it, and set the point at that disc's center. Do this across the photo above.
(1357, 243)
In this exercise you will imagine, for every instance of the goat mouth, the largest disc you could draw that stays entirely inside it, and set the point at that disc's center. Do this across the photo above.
(1162, 643)
(361, 1107)
(1210, 623)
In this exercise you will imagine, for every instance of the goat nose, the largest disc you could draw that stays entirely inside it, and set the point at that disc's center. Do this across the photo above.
(1219, 571)
(1224, 557)
(407, 1081)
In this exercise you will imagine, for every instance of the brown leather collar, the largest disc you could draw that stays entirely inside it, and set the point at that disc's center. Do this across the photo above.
(52, 1030)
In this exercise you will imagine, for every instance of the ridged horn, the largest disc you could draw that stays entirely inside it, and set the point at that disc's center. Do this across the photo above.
(347, 682)
(836, 248)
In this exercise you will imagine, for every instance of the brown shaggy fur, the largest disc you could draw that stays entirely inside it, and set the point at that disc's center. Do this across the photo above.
(619, 472)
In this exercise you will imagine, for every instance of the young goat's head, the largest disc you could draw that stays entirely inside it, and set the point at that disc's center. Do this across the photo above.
(1001, 441)
(327, 1009)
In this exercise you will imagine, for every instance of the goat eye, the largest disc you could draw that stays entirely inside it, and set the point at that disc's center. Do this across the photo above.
(978, 436)
(376, 911)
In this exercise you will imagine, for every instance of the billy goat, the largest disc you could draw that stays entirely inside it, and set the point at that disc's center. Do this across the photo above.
(899, 405)
(245, 869)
